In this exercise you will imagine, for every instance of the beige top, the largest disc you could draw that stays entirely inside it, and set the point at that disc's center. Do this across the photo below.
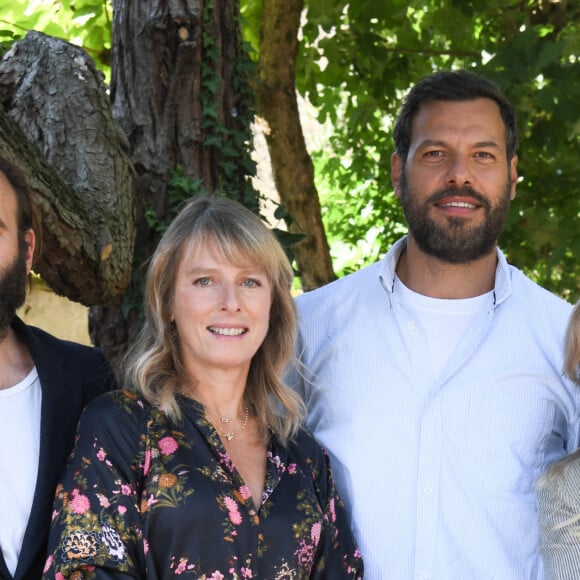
(558, 504)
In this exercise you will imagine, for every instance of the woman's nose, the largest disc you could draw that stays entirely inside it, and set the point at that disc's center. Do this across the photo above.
(230, 297)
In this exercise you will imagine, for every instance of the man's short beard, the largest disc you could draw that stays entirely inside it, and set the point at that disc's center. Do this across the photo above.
(455, 242)
(13, 288)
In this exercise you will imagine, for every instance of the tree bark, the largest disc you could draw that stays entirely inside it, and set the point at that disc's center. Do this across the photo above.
(157, 59)
(56, 126)
(291, 164)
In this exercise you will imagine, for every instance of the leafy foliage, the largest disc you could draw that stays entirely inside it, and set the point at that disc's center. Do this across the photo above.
(86, 23)
(358, 59)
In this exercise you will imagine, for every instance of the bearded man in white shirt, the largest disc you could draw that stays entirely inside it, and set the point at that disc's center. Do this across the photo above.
(433, 377)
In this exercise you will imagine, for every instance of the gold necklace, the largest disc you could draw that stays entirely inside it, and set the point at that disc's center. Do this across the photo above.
(229, 436)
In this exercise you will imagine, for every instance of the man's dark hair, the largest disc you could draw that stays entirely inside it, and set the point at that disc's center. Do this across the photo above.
(26, 219)
(459, 85)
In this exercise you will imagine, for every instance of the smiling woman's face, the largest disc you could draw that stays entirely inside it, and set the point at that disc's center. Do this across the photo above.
(221, 310)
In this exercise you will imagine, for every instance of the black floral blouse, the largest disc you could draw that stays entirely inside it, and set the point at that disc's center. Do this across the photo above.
(144, 498)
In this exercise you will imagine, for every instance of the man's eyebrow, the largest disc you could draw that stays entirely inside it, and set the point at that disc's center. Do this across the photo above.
(431, 143)
(439, 143)
(484, 144)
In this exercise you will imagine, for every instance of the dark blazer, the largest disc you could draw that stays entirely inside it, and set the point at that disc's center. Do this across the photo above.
(70, 375)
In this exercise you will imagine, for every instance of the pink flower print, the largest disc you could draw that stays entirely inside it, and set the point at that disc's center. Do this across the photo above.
(126, 489)
(225, 460)
(245, 492)
(59, 576)
(246, 572)
(234, 513)
(332, 509)
(54, 514)
(101, 454)
(168, 445)
(80, 503)
(217, 575)
(47, 565)
(182, 567)
(305, 553)
(147, 462)
(145, 546)
(121, 509)
(103, 500)
(315, 532)
(292, 468)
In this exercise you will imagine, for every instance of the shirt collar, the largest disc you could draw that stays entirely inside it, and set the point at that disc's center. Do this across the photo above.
(502, 288)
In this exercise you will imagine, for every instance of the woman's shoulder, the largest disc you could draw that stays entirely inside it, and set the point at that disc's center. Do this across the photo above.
(562, 481)
(305, 447)
(116, 410)
(122, 399)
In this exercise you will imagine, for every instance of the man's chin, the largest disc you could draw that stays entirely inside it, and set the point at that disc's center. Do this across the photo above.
(456, 251)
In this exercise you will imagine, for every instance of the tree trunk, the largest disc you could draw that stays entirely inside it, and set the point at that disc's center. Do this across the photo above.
(56, 126)
(291, 164)
(163, 53)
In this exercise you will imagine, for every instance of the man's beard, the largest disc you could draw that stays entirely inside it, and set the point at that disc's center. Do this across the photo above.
(454, 242)
(12, 289)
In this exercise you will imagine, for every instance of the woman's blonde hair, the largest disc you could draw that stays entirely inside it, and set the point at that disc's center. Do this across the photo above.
(154, 367)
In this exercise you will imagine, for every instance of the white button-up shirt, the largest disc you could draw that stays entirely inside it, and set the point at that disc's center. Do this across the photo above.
(438, 470)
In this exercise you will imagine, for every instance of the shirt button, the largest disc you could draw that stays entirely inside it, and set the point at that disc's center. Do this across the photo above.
(428, 490)
(424, 575)
(411, 325)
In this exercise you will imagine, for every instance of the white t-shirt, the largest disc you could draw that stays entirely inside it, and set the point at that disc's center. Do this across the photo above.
(444, 322)
(19, 455)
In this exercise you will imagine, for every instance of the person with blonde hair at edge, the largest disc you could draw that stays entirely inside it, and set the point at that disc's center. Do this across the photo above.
(559, 489)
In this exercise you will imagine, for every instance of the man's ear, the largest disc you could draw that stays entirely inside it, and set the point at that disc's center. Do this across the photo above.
(396, 168)
(30, 239)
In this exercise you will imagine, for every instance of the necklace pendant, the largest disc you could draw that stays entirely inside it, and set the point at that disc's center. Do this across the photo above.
(230, 436)
(225, 420)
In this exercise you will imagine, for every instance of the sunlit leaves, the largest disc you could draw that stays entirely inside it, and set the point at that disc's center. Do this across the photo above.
(86, 23)
(373, 52)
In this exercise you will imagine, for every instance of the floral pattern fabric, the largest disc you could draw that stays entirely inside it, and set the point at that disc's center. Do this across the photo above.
(145, 498)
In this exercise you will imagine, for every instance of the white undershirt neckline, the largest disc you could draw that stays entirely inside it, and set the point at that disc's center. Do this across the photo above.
(444, 321)
(20, 410)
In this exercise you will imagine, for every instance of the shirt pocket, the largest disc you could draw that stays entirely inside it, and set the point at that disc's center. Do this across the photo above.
(508, 436)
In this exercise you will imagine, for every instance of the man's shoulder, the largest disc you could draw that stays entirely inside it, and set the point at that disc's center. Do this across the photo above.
(54, 355)
(43, 339)
(354, 282)
(530, 294)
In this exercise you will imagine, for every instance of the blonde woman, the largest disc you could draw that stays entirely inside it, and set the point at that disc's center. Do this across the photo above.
(203, 469)
(559, 489)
